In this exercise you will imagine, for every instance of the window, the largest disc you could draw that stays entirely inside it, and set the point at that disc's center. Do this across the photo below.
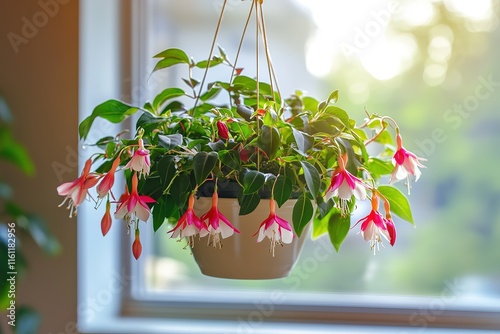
(448, 264)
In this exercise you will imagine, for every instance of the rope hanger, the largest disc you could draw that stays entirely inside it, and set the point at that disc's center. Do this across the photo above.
(260, 31)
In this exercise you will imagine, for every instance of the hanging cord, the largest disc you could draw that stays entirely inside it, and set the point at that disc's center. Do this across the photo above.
(270, 67)
(241, 43)
(211, 53)
(257, 24)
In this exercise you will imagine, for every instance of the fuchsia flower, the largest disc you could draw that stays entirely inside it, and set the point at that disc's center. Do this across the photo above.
(77, 190)
(344, 185)
(108, 180)
(222, 130)
(136, 245)
(275, 228)
(133, 204)
(106, 220)
(406, 164)
(374, 226)
(218, 226)
(189, 225)
(140, 160)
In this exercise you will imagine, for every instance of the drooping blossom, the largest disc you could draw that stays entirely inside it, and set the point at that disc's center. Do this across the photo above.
(275, 228)
(218, 226)
(405, 164)
(106, 220)
(140, 160)
(222, 130)
(75, 192)
(108, 180)
(136, 245)
(343, 184)
(375, 226)
(134, 205)
(189, 225)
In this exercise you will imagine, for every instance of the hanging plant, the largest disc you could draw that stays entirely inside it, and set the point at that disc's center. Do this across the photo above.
(263, 144)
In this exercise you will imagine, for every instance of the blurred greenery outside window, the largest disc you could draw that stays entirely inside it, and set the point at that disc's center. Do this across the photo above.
(432, 65)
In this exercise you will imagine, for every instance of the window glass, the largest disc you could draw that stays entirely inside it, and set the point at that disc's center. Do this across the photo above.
(432, 65)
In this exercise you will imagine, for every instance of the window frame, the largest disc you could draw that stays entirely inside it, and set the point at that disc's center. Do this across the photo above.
(107, 299)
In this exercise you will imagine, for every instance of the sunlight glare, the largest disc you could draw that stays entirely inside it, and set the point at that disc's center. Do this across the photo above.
(477, 10)
(391, 57)
(417, 13)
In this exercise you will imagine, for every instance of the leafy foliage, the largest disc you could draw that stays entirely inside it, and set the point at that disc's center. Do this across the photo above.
(283, 147)
(14, 220)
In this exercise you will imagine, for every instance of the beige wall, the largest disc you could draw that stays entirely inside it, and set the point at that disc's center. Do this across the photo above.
(40, 83)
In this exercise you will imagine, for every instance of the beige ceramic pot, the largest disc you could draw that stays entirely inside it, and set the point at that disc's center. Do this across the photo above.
(241, 257)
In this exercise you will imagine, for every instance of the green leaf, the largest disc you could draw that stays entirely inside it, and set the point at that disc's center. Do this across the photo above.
(242, 82)
(181, 189)
(303, 140)
(312, 177)
(269, 140)
(230, 158)
(244, 111)
(203, 164)
(339, 113)
(112, 110)
(253, 181)
(167, 94)
(338, 228)
(399, 203)
(212, 92)
(303, 211)
(170, 141)
(159, 213)
(167, 170)
(320, 226)
(379, 167)
(14, 152)
(282, 190)
(214, 62)
(27, 321)
(248, 203)
(41, 234)
(150, 122)
(171, 57)
(36, 227)
(333, 96)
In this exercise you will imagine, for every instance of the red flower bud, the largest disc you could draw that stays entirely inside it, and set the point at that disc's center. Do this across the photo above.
(245, 155)
(136, 246)
(106, 220)
(223, 130)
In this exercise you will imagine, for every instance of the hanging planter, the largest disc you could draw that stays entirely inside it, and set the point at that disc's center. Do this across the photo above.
(241, 256)
(287, 157)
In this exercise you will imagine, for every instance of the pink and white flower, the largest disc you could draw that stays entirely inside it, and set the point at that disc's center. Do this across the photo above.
(108, 180)
(140, 161)
(406, 164)
(344, 185)
(375, 226)
(275, 228)
(218, 225)
(189, 225)
(77, 190)
(134, 205)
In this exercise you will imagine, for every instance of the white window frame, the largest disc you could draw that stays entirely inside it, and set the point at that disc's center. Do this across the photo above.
(106, 302)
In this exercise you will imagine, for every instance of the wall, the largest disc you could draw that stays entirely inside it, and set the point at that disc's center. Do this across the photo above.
(39, 79)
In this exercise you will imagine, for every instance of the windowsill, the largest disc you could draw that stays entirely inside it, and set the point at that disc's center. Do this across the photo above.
(147, 325)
